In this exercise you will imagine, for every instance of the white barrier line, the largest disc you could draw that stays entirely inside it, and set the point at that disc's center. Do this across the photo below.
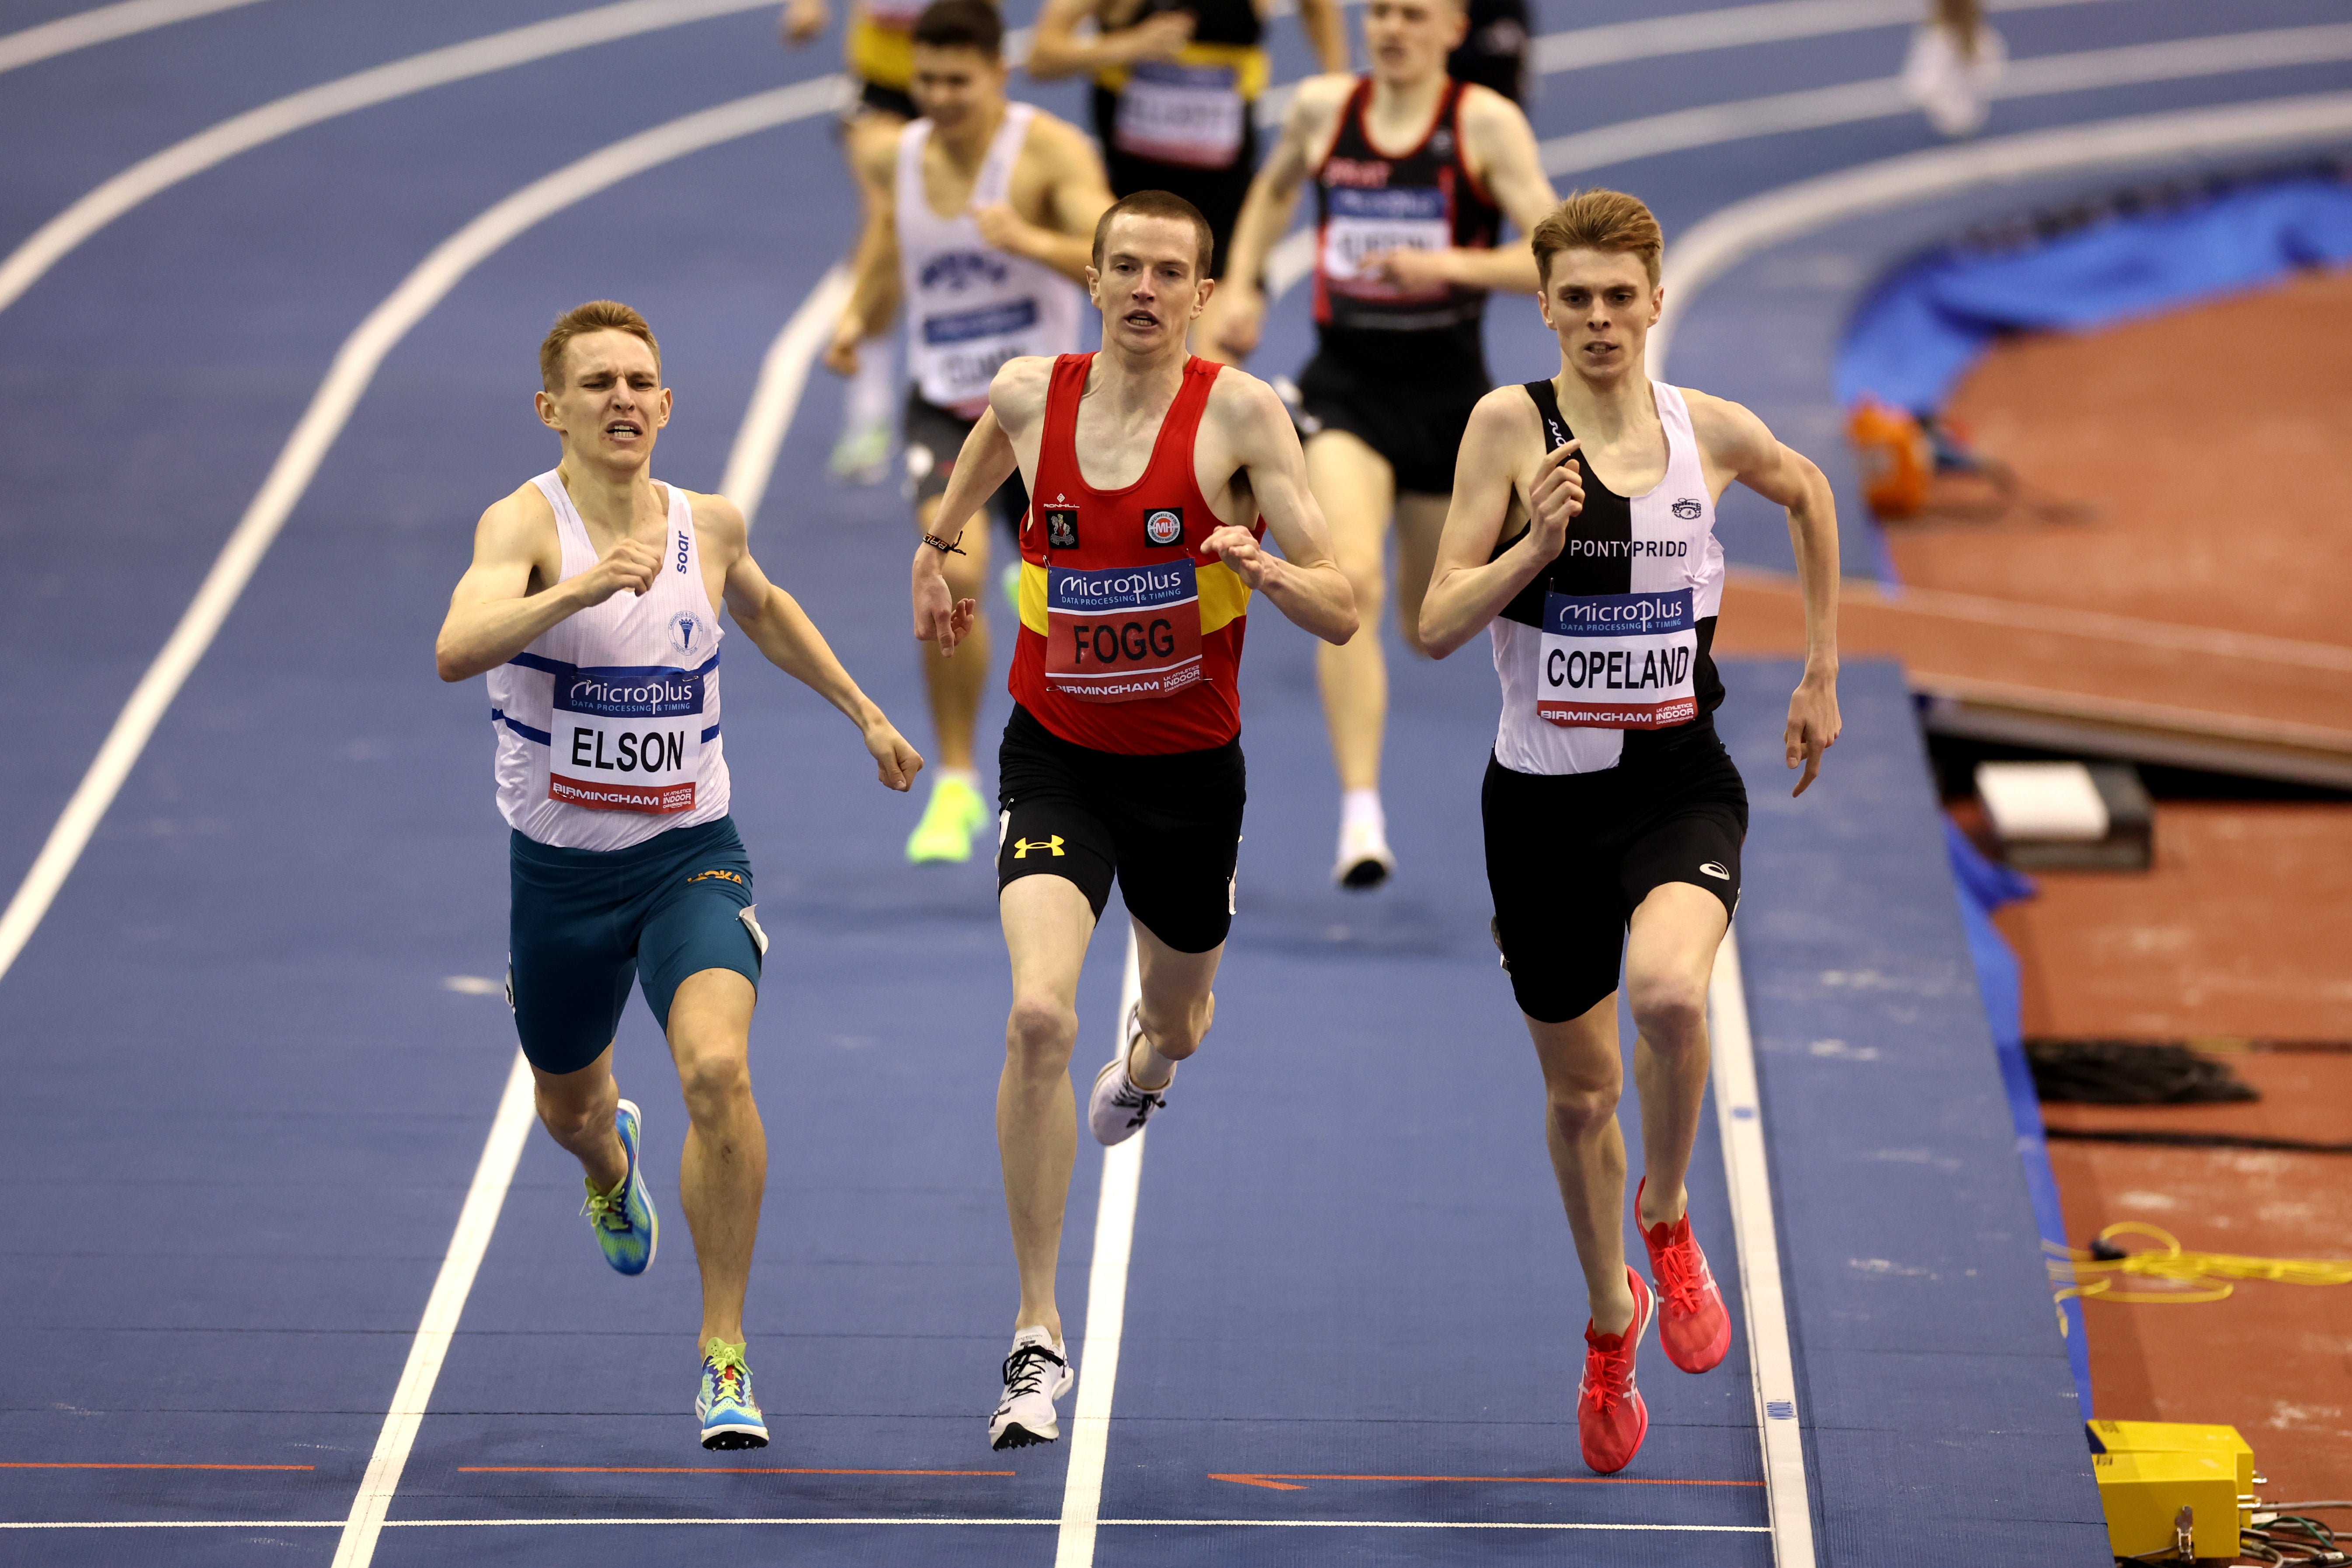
(1740, 1122)
(783, 376)
(2035, 76)
(830, 1519)
(1725, 238)
(331, 408)
(479, 1216)
(1122, 1178)
(183, 160)
(101, 24)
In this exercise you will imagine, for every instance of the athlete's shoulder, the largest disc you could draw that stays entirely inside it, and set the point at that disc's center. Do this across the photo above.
(1503, 417)
(1237, 398)
(1017, 390)
(1484, 109)
(523, 508)
(1051, 135)
(717, 519)
(1727, 431)
(1317, 100)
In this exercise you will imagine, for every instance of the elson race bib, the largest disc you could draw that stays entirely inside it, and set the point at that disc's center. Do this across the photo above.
(968, 346)
(1617, 661)
(1125, 634)
(1361, 224)
(1187, 115)
(625, 740)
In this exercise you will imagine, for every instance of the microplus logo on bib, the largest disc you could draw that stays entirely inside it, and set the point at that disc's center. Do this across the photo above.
(1617, 661)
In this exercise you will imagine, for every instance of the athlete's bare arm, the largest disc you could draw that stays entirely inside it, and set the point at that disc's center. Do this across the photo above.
(873, 269)
(1236, 312)
(1502, 475)
(1058, 50)
(1735, 445)
(1326, 32)
(1500, 148)
(804, 21)
(990, 453)
(1071, 194)
(1247, 422)
(505, 600)
(782, 630)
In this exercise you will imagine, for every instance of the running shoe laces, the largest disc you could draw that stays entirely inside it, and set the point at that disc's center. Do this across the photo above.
(608, 1211)
(1606, 1374)
(729, 1373)
(1681, 1277)
(1141, 1102)
(1028, 1370)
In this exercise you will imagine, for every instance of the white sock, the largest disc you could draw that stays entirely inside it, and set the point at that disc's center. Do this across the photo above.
(867, 401)
(1360, 812)
(957, 775)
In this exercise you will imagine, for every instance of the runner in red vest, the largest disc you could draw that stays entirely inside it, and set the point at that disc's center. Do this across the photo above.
(1123, 757)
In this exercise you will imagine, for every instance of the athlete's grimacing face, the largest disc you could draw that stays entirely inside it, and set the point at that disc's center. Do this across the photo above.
(1149, 288)
(954, 87)
(1603, 305)
(1409, 40)
(611, 405)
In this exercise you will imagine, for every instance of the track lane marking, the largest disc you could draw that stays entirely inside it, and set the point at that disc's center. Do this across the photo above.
(1727, 237)
(886, 1519)
(696, 1470)
(1275, 1481)
(1739, 1123)
(776, 397)
(101, 24)
(1122, 1178)
(159, 172)
(323, 422)
(132, 1465)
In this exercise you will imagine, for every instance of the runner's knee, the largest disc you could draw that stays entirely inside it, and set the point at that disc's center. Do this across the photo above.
(573, 1111)
(1176, 1032)
(712, 1081)
(1041, 1033)
(1578, 1109)
(1669, 1010)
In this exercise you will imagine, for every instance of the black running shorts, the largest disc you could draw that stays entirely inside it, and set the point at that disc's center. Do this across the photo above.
(1407, 395)
(933, 438)
(1570, 857)
(1168, 827)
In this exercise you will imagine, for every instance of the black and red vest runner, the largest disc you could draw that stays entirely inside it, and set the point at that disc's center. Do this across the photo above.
(1130, 638)
(1367, 202)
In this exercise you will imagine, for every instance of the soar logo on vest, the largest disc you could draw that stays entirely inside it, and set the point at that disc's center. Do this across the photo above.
(1165, 525)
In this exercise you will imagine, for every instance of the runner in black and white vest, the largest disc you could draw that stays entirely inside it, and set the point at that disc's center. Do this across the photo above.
(1582, 537)
(984, 238)
(1176, 89)
(1413, 174)
(592, 604)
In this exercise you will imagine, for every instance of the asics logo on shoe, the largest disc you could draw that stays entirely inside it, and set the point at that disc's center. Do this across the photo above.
(1141, 1102)
(1715, 871)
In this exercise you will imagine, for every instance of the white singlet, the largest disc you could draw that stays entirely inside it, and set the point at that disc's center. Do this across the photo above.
(1610, 647)
(608, 723)
(971, 307)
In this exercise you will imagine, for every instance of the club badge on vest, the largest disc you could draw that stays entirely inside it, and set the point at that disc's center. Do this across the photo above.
(1163, 526)
(1061, 528)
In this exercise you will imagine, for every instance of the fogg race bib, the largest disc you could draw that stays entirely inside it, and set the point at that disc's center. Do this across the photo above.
(1617, 661)
(1124, 634)
(626, 739)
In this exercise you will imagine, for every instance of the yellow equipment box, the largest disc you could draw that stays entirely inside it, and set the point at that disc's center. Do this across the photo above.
(2152, 1469)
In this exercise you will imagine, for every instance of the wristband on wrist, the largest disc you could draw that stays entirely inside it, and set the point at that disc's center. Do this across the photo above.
(941, 545)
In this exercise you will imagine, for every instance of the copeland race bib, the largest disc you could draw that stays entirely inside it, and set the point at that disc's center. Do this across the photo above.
(1125, 634)
(1617, 661)
(962, 349)
(625, 740)
(1361, 224)
(1190, 115)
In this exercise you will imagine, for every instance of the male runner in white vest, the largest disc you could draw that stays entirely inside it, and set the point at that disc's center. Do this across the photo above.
(592, 604)
(985, 237)
(1582, 537)
(1413, 174)
(1155, 475)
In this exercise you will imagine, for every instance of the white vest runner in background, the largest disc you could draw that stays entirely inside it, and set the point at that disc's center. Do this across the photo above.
(971, 307)
(608, 723)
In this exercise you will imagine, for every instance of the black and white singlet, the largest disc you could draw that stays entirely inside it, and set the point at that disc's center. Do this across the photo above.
(1605, 655)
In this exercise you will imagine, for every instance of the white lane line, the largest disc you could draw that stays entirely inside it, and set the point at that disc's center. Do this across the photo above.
(1739, 1120)
(1122, 1178)
(826, 1518)
(479, 1216)
(783, 376)
(1849, 102)
(101, 24)
(183, 160)
(1725, 238)
(331, 407)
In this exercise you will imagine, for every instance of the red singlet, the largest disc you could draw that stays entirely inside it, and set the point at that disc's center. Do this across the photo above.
(1130, 636)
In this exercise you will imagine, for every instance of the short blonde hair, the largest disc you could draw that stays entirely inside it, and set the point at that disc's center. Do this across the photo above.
(595, 316)
(1599, 220)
